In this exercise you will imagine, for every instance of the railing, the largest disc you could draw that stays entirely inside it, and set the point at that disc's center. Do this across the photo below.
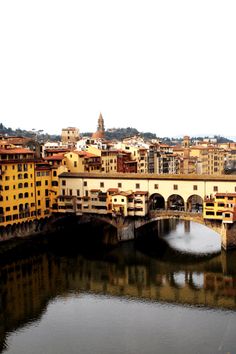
(175, 213)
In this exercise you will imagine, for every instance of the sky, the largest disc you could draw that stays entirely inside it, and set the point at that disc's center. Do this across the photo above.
(163, 66)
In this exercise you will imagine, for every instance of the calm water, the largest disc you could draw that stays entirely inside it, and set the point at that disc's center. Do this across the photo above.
(148, 296)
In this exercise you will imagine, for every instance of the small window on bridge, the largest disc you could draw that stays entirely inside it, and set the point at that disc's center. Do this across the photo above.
(210, 213)
(175, 186)
(221, 204)
(219, 213)
(215, 188)
(137, 186)
(195, 187)
(209, 204)
(156, 186)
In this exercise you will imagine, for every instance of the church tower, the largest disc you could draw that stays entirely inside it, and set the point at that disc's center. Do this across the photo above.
(100, 133)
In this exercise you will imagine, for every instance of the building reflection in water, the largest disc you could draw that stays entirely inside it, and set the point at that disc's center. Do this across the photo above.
(28, 285)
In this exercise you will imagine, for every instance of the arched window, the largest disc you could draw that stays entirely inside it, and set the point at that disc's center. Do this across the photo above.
(20, 176)
(25, 175)
(26, 184)
(20, 196)
(26, 195)
(20, 185)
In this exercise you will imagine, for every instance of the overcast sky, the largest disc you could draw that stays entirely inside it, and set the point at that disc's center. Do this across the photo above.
(167, 66)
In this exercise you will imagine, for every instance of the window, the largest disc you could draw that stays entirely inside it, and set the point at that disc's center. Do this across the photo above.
(46, 182)
(6, 188)
(78, 192)
(7, 178)
(70, 192)
(115, 200)
(19, 167)
(54, 173)
(195, 187)
(63, 182)
(210, 213)
(122, 200)
(215, 189)
(175, 187)
(38, 193)
(75, 163)
(39, 202)
(20, 185)
(25, 185)
(209, 204)
(8, 208)
(46, 192)
(38, 183)
(119, 185)
(156, 186)
(137, 185)
(85, 184)
(101, 184)
(63, 192)
(26, 195)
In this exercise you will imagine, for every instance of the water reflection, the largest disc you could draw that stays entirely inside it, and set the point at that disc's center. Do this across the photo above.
(29, 284)
(193, 238)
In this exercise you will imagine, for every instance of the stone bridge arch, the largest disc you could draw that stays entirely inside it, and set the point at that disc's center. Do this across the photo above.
(127, 226)
(175, 202)
(194, 203)
(156, 202)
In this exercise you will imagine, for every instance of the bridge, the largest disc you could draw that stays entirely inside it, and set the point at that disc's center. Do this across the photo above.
(126, 227)
(129, 201)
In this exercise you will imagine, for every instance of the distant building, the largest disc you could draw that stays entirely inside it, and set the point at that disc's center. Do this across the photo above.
(70, 136)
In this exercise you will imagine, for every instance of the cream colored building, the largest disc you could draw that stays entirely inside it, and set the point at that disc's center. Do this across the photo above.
(167, 188)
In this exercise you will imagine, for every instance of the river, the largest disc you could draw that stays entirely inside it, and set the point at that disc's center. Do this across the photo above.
(170, 291)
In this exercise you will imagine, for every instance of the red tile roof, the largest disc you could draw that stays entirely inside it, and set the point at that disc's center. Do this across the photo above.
(16, 151)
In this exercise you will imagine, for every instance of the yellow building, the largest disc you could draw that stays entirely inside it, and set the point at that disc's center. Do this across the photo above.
(25, 187)
(57, 167)
(222, 206)
(17, 188)
(43, 185)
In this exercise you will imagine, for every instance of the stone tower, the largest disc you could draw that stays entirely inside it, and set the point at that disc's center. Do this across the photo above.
(100, 133)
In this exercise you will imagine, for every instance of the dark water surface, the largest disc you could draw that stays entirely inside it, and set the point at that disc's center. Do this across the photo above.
(141, 297)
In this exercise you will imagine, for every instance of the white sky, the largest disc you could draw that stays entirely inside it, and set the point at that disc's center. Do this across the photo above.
(165, 66)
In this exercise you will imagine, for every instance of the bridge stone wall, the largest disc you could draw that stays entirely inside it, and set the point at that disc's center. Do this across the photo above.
(126, 226)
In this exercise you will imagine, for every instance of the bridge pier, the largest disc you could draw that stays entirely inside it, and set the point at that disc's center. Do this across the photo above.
(228, 236)
(126, 232)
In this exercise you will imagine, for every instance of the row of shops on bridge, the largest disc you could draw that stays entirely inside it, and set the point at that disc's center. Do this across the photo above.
(117, 202)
